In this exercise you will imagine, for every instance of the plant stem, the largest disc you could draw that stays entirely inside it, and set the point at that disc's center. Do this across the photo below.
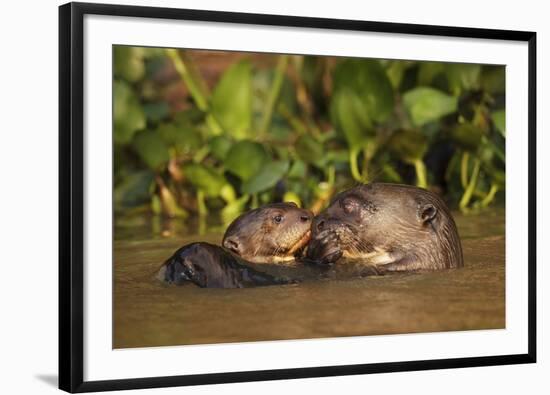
(421, 179)
(498, 152)
(201, 154)
(468, 192)
(254, 203)
(464, 169)
(294, 121)
(273, 93)
(353, 164)
(331, 175)
(490, 196)
(169, 205)
(201, 204)
(197, 87)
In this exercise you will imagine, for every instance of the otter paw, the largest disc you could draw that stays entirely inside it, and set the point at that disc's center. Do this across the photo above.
(325, 248)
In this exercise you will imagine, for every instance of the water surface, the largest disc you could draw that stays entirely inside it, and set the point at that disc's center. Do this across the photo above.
(148, 313)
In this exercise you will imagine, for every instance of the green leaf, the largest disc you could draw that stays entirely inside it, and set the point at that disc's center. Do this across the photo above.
(290, 196)
(310, 150)
(204, 178)
(338, 156)
(368, 80)
(245, 159)
(408, 145)
(232, 100)
(266, 178)
(350, 118)
(127, 113)
(134, 189)
(468, 136)
(151, 149)
(233, 209)
(427, 71)
(219, 146)
(427, 104)
(395, 71)
(297, 170)
(129, 62)
(463, 77)
(493, 79)
(499, 119)
(184, 138)
(156, 112)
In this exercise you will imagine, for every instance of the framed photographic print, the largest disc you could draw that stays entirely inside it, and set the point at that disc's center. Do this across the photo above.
(251, 197)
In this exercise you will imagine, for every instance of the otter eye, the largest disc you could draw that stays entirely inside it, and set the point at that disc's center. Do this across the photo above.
(278, 218)
(348, 206)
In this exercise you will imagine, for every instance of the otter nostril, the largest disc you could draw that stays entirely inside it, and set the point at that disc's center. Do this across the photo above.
(305, 218)
(320, 224)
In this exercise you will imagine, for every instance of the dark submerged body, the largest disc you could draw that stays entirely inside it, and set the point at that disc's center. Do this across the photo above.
(210, 266)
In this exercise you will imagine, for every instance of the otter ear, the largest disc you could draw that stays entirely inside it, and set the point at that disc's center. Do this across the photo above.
(232, 244)
(427, 213)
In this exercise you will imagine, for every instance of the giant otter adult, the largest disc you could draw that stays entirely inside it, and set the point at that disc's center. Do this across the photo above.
(273, 233)
(211, 266)
(393, 227)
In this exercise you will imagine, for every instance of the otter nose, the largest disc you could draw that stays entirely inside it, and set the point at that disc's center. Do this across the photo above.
(320, 224)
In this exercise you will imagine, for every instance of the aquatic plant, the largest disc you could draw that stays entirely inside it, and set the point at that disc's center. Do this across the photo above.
(198, 132)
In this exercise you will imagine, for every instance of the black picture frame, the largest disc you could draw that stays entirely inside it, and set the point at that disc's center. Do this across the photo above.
(71, 203)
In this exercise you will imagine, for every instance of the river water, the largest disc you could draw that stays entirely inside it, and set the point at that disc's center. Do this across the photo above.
(149, 313)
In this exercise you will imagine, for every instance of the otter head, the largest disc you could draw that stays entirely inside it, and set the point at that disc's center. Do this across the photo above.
(189, 264)
(269, 234)
(395, 227)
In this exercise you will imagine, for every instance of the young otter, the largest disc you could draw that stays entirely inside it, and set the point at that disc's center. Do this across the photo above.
(394, 227)
(210, 266)
(270, 234)
(273, 233)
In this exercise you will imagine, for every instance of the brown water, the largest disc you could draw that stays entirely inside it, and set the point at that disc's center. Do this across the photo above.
(148, 313)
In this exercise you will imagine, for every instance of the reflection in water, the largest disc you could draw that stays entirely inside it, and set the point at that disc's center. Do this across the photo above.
(327, 304)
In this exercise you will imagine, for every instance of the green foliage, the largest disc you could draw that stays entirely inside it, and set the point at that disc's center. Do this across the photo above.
(204, 178)
(129, 62)
(462, 77)
(493, 79)
(134, 189)
(128, 114)
(409, 145)
(266, 178)
(310, 150)
(468, 136)
(232, 100)
(264, 128)
(183, 138)
(349, 116)
(245, 159)
(368, 80)
(219, 147)
(151, 149)
(426, 104)
(499, 118)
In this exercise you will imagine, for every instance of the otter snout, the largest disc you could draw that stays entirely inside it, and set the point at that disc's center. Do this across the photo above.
(323, 223)
(325, 245)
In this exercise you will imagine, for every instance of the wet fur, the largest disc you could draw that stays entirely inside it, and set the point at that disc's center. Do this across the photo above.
(256, 237)
(210, 266)
(387, 228)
